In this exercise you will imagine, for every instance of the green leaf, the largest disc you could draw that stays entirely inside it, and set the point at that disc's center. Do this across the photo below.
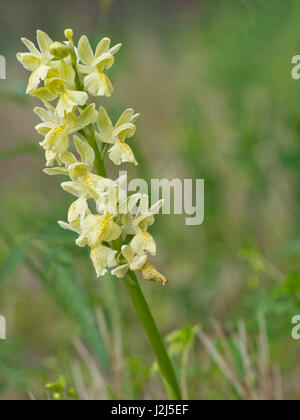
(59, 386)
(140, 372)
(290, 287)
(71, 296)
(182, 339)
(14, 375)
(15, 260)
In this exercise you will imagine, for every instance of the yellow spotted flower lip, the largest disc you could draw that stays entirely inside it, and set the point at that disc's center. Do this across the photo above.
(96, 82)
(61, 83)
(143, 242)
(76, 169)
(57, 130)
(103, 257)
(116, 135)
(93, 229)
(97, 229)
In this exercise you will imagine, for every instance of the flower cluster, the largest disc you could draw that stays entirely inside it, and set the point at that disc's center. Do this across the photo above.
(66, 75)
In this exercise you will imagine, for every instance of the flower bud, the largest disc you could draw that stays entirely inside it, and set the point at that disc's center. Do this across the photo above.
(59, 50)
(69, 35)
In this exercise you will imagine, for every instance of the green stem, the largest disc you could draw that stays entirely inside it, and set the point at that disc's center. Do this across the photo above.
(79, 85)
(99, 162)
(146, 318)
(184, 365)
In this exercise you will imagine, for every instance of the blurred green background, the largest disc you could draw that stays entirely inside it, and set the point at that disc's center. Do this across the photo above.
(212, 80)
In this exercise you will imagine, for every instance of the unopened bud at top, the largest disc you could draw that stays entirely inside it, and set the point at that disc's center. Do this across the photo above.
(69, 35)
(59, 50)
